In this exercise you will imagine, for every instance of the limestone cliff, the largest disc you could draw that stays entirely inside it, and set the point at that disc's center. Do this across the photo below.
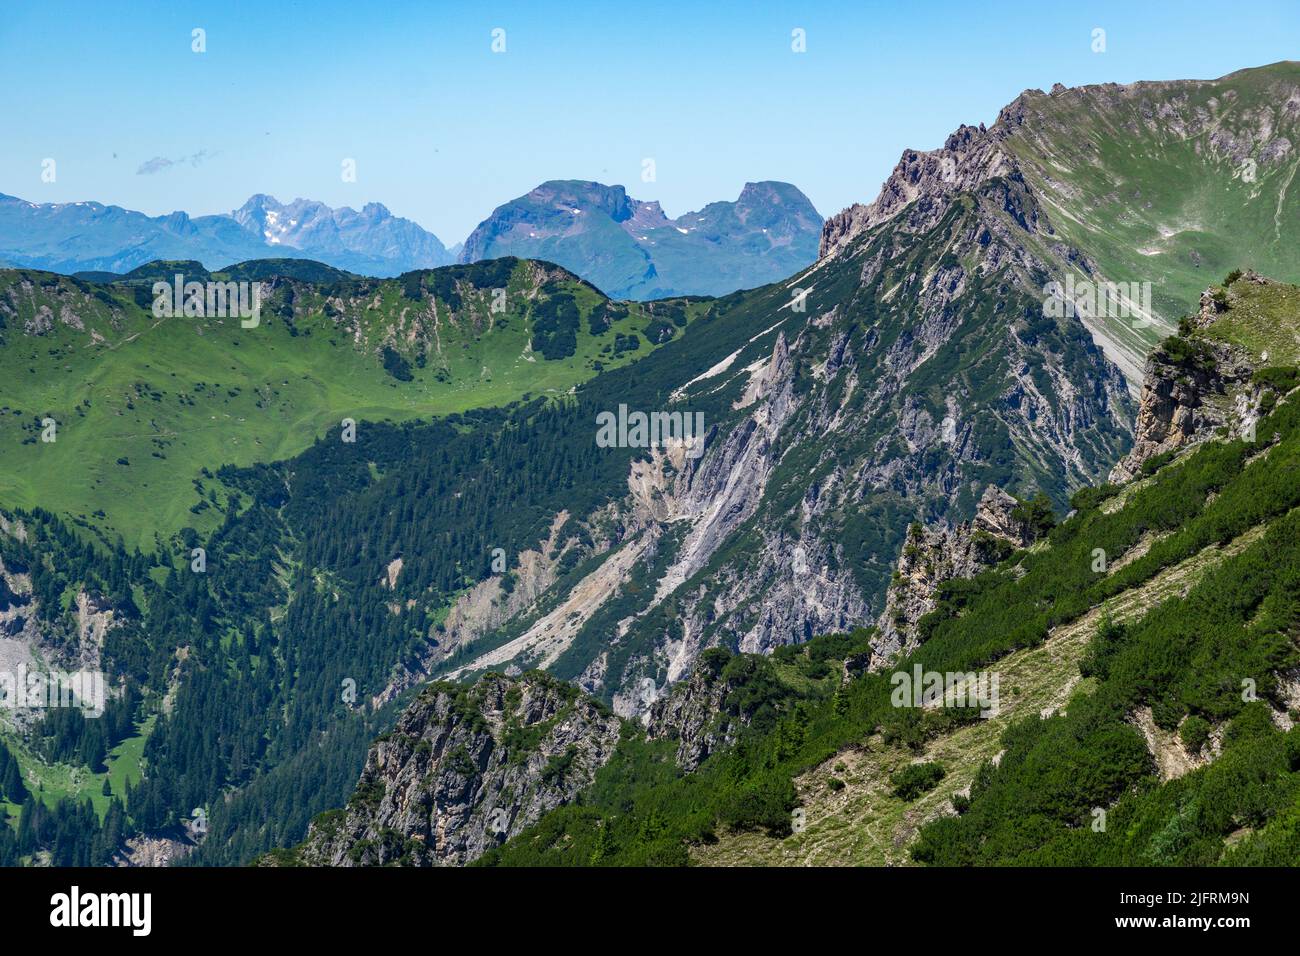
(932, 555)
(464, 769)
(1201, 383)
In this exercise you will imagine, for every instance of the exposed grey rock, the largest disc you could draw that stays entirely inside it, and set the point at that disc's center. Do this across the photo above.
(1189, 395)
(927, 370)
(464, 769)
(695, 714)
(937, 554)
(154, 850)
(926, 182)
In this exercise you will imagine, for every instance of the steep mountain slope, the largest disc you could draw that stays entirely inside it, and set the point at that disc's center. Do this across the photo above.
(631, 249)
(931, 556)
(1211, 379)
(919, 362)
(1144, 711)
(464, 770)
(928, 355)
(144, 404)
(89, 236)
(1167, 183)
(1172, 183)
(895, 379)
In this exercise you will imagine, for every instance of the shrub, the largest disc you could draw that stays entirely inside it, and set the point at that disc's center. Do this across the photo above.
(1195, 733)
(916, 779)
(1280, 378)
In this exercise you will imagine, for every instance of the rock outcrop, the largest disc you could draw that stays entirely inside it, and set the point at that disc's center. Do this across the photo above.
(1195, 386)
(937, 554)
(926, 182)
(696, 714)
(464, 769)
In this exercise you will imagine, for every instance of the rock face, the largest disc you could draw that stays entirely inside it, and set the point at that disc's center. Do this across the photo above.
(465, 768)
(154, 850)
(1194, 385)
(32, 638)
(696, 713)
(1233, 138)
(925, 182)
(937, 554)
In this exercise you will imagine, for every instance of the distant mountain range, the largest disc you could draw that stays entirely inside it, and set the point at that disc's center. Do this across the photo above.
(89, 236)
(372, 241)
(626, 247)
(631, 249)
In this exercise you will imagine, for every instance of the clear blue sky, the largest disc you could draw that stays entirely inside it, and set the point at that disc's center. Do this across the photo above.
(442, 129)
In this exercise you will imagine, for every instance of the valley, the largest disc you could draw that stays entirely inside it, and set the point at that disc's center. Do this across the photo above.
(443, 618)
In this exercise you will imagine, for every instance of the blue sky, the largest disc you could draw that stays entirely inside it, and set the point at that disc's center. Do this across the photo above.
(442, 129)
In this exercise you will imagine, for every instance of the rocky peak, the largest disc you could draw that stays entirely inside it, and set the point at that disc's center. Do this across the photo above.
(1196, 384)
(968, 158)
(996, 515)
(464, 769)
(932, 555)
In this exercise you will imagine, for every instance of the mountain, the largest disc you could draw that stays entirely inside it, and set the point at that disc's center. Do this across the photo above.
(926, 356)
(90, 237)
(631, 249)
(1111, 726)
(371, 242)
(736, 600)
(911, 367)
(628, 249)
(464, 771)
(1170, 183)
(145, 405)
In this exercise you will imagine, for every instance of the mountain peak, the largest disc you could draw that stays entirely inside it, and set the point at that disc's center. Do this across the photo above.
(630, 248)
(771, 190)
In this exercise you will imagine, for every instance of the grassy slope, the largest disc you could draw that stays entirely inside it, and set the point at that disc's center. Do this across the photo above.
(1256, 321)
(1149, 202)
(52, 782)
(865, 823)
(172, 396)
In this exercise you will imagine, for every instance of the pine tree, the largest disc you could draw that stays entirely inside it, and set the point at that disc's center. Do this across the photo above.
(12, 785)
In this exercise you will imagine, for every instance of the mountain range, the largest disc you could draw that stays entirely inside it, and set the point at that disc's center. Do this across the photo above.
(632, 250)
(488, 635)
(91, 237)
(628, 249)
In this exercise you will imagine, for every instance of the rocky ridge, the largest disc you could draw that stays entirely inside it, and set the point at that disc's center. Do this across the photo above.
(464, 769)
(932, 555)
(1196, 385)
